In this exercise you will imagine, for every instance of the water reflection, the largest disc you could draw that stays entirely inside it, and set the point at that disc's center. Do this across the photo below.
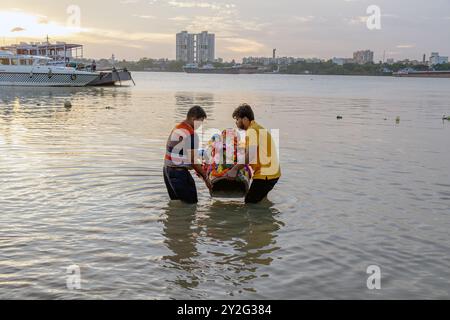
(25, 105)
(181, 237)
(185, 100)
(250, 230)
(239, 240)
(34, 96)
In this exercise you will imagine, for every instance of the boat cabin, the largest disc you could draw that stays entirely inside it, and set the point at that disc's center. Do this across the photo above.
(9, 59)
(58, 52)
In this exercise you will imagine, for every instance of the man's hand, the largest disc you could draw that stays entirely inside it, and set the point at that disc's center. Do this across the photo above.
(208, 184)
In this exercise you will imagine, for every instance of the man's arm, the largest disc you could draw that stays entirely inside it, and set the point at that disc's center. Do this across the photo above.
(232, 174)
(198, 168)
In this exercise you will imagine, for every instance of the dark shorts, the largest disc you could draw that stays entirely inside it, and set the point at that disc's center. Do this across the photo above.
(259, 190)
(180, 185)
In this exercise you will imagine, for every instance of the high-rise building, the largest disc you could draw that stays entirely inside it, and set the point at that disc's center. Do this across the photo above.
(363, 57)
(185, 47)
(196, 48)
(205, 47)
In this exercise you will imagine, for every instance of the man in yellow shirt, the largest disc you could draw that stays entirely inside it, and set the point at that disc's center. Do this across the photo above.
(261, 155)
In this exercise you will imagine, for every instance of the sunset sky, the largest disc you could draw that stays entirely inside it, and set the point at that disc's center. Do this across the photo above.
(308, 28)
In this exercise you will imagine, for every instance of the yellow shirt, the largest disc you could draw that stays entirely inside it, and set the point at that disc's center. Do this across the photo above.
(263, 153)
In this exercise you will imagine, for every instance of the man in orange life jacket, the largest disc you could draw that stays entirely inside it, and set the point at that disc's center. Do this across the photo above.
(181, 152)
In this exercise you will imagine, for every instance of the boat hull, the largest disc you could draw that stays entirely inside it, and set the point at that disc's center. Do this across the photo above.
(110, 78)
(229, 189)
(46, 79)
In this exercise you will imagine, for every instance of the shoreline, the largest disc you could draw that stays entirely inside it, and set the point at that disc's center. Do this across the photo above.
(293, 74)
(268, 73)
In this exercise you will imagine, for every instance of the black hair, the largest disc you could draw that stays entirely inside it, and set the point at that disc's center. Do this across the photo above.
(244, 111)
(197, 113)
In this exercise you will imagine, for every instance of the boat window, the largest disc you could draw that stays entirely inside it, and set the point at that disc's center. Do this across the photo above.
(4, 61)
(24, 62)
(14, 62)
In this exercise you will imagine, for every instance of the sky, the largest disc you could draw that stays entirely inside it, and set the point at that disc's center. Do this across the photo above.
(132, 29)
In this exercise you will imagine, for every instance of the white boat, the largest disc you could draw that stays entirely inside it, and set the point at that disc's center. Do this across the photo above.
(30, 70)
(70, 55)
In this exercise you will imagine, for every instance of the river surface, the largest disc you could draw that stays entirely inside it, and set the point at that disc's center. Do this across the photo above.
(83, 188)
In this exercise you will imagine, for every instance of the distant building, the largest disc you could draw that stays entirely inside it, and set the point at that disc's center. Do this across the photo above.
(258, 61)
(205, 47)
(195, 48)
(435, 59)
(342, 61)
(390, 61)
(411, 62)
(281, 61)
(363, 57)
(185, 47)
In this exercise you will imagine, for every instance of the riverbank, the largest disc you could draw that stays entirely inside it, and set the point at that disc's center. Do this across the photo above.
(300, 68)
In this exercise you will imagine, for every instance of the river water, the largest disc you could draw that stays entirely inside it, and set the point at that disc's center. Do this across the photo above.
(83, 188)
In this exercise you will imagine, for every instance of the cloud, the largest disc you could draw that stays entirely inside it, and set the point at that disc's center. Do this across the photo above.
(405, 46)
(129, 1)
(309, 19)
(143, 16)
(226, 24)
(390, 15)
(42, 20)
(356, 20)
(32, 25)
(32, 28)
(179, 18)
(305, 18)
(17, 29)
(243, 46)
(115, 36)
(196, 4)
